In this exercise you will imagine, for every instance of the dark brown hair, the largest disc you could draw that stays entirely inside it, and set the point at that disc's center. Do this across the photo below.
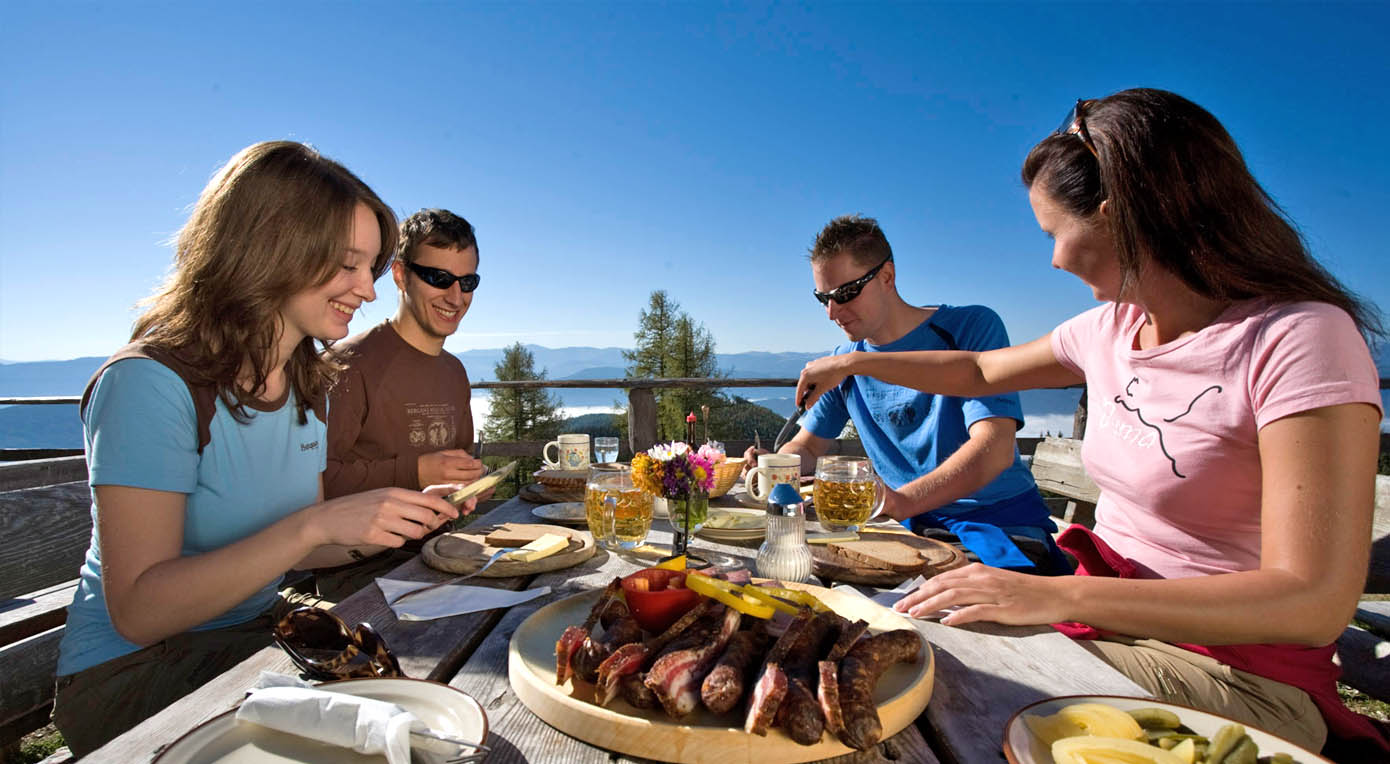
(1181, 196)
(272, 222)
(855, 235)
(437, 228)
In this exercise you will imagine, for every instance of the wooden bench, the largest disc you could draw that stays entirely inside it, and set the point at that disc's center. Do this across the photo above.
(1364, 653)
(45, 532)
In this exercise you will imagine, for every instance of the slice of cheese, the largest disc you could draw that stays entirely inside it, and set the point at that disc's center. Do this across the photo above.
(831, 538)
(541, 548)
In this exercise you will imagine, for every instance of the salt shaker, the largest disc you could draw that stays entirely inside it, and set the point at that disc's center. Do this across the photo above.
(784, 554)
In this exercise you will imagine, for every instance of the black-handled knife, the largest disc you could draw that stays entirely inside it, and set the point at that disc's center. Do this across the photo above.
(789, 429)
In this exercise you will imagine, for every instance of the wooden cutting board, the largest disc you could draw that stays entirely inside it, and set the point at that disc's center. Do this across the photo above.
(901, 694)
(465, 551)
(937, 557)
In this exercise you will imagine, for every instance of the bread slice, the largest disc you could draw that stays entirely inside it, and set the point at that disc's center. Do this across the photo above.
(882, 554)
(516, 534)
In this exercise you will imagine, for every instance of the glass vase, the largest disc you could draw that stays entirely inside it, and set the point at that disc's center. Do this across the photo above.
(687, 517)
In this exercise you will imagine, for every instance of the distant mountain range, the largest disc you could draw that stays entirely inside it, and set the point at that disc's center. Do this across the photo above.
(59, 426)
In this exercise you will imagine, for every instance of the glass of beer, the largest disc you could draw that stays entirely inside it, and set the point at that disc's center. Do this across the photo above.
(848, 492)
(619, 513)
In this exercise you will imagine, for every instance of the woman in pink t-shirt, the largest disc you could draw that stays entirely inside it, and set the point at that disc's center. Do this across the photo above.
(1234, 418)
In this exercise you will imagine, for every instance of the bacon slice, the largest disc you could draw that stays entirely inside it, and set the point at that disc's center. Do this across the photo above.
(594, 650)
(574, 636)
(767, 698)
(675, 677)
(565, 647)
(828, 693)
(625, 660)
(771, 685)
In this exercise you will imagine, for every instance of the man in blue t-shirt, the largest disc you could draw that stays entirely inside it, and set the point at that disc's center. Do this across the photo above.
(951, 463)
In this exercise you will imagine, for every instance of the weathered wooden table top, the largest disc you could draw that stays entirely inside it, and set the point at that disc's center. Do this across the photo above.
(983, 673)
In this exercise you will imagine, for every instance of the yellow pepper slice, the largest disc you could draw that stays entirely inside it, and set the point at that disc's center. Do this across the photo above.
(675, 563)
(749, 590)
(793, 595)
(729, 594)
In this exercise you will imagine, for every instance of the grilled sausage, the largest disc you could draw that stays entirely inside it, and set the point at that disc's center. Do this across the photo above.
(859, 674)
(723, 688)
(800, 714)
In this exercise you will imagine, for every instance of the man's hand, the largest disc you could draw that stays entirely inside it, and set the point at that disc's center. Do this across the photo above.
(750, 457)
(821, 375)
(449, 466)
(898, 505)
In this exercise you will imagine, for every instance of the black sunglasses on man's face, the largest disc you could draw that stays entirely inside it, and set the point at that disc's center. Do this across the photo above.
(442, 279)
(850, 289)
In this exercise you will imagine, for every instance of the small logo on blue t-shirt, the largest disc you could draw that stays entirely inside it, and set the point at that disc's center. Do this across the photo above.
(308, 446)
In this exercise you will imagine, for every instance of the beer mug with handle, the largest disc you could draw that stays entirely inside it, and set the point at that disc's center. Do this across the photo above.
(847, 493)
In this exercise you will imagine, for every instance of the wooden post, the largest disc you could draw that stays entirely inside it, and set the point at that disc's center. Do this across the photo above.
(641, 418)
(1078, 419)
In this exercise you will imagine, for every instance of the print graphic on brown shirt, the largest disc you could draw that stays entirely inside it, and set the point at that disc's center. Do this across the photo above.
(392, 404)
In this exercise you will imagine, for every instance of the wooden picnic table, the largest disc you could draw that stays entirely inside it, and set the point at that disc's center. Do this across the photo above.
(983, 673)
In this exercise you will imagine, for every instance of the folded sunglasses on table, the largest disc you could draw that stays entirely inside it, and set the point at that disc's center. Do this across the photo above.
(324, 647)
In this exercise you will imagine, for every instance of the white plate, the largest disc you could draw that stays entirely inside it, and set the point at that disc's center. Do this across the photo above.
(735, 534)
(1021, 746)
(741, 495)
(225, 740)
(564, 513)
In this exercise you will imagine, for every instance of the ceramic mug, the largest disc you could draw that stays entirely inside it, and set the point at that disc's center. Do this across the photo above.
(571, 453)
(771, 470)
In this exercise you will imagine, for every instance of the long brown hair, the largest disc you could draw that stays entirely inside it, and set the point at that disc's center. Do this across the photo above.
(272, 222)
(1181, 196)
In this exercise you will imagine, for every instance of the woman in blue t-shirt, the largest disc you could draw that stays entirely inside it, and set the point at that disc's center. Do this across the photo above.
(205, 441)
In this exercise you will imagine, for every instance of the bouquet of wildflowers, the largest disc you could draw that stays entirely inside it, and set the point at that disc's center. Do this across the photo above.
(673, 470)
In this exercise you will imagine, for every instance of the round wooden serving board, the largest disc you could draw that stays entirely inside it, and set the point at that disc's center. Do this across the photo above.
(902, 694)
(937, 557)
(466, 551)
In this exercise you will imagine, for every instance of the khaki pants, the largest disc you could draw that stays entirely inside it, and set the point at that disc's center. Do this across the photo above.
(94, 706)
(1181, 676)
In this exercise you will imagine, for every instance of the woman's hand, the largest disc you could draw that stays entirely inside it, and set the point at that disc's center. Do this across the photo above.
(980, 593)
(383, 517)
(468, 505)
(820, 375)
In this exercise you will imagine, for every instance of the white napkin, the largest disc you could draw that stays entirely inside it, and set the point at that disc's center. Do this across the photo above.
(362, 724)
(456, 599)
(887, 597)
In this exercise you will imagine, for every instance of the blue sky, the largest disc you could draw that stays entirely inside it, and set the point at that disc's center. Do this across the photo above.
(605, 150)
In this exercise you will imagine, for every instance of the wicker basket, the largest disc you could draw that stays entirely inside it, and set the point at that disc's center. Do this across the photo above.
(725, 475)
(562, 481)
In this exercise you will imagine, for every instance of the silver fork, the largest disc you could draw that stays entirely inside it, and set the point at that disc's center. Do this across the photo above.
(494, 558)
(461, 754)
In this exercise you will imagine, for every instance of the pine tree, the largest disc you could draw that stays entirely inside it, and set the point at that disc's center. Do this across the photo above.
(520, 414)
(670, 344)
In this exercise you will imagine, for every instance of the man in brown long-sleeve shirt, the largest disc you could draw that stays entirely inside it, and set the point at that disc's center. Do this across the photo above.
(399, 414)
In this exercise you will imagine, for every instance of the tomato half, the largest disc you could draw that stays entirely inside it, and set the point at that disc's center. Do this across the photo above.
(656, 598)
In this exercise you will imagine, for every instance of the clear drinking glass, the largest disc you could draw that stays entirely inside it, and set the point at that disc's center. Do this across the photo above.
(618, 512)
(848, 492)
(605, 450)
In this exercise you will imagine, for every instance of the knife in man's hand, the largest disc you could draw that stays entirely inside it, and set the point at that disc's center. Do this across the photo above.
(789, 429)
